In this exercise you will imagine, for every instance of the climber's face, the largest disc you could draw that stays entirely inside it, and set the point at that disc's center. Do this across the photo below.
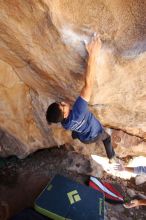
(65, 108)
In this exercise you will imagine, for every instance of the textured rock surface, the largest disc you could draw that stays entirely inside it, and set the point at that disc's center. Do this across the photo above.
(42, 58)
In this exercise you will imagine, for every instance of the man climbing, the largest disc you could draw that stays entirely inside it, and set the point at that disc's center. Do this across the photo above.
(80, 120)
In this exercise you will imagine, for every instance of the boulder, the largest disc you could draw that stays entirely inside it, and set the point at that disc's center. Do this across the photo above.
(43, 58)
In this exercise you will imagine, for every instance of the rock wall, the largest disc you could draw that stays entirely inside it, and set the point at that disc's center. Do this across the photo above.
(43, 58)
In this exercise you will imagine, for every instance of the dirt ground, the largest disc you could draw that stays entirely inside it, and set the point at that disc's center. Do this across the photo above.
(21, 181)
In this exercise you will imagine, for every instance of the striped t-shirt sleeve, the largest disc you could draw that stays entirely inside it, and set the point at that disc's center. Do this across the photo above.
(140, 170)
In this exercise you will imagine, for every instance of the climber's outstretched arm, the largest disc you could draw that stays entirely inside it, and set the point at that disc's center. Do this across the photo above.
(93, 49)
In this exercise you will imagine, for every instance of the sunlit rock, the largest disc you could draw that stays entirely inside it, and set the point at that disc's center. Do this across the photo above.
(43, 58)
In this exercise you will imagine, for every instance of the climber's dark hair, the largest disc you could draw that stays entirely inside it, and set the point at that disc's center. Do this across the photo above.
(54, 113)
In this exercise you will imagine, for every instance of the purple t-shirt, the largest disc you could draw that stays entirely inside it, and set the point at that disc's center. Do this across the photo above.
(82, 121)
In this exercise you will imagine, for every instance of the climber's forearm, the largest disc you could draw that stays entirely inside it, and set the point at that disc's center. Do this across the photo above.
(93, 50)
(89, 78)
(90, 72)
